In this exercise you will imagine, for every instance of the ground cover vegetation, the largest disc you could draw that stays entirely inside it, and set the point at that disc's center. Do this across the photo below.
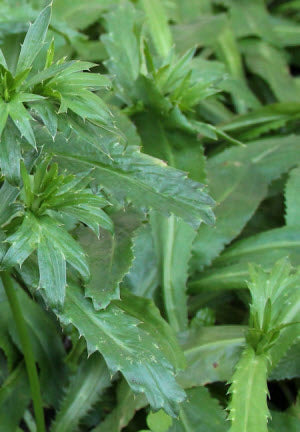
(149, 216)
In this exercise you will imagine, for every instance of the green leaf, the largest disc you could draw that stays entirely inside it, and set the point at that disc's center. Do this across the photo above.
(228, 178)
(3, 115)
(228, 51)
(199, 413)
(84, 389)
(2, 59)
(46, 343)
(252, 19)
(202, 31)
(151, 321)
(125, 347)
(143, 277)
(48, 114)
(159, 421)
(230, 270)
(211, 354)
(292, 198)
(34, 39)
(23, 242)
(269, 63)
(283, 422)
(262, 120)
(127, 173)
(52, 267)
(109, 257)
(8, 207)
(14, 398)
(158, 25)
(249, 394)
(127, 404)
(288, 367)
(121, 43)
(56, 246)
(10, 155)
(22, 119)
(173, 239)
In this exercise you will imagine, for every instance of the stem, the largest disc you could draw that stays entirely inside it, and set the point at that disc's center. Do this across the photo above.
(27, 350)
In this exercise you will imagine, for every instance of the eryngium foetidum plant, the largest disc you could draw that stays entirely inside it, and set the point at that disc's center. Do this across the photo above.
(62, 161)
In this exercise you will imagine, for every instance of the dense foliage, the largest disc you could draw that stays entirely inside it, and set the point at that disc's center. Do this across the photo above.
(149, 216)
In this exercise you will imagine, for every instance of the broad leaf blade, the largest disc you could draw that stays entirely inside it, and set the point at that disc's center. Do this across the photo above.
(110, 257)
(125, 347)
(211, 354)
(127, 173)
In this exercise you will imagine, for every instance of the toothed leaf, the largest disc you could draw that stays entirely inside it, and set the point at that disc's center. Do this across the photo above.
(110, 257)
(125, 347)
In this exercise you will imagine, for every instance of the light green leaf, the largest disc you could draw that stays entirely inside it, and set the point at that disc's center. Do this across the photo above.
(211, 354)
(84, 389)
(109, 256)
(200, 413)
(34, 39)
(159, 421)
(292, 198)
(125, 347)
(248, 406)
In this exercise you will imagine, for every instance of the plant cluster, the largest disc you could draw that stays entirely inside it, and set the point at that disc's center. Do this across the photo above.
(149, 216)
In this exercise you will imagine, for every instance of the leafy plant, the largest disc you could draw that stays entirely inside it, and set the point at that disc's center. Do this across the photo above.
(149, 216)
